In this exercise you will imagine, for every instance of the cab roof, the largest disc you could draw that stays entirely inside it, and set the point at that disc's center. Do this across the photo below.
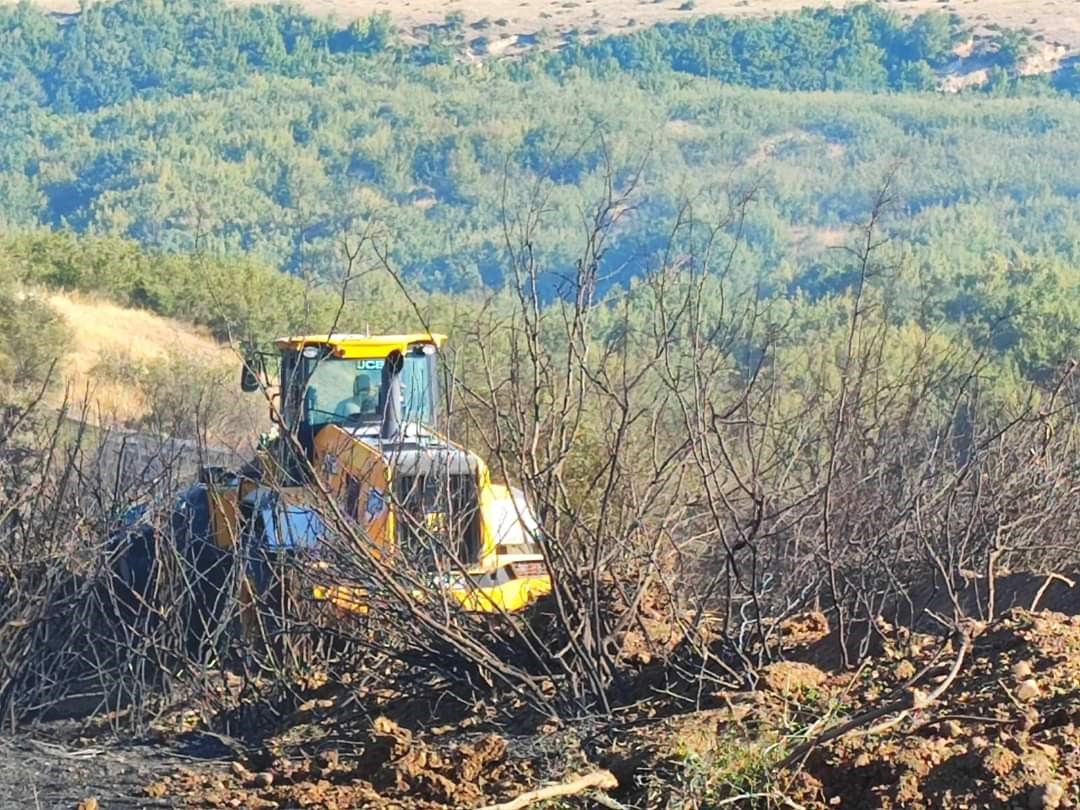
(361, 346)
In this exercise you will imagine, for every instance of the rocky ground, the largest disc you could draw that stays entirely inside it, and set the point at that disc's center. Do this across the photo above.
(926, 723)
(1005, 734)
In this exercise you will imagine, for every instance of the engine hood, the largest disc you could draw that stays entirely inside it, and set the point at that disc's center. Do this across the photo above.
(418, 452)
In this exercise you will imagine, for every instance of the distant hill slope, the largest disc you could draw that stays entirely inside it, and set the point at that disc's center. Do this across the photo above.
(104, 333)
(508, 21)
(203, 145)
(135, 369)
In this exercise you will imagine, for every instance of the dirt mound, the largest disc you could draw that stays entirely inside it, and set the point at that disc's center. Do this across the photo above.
(392, 767)
(919, 725)
(791, 677)
(1006, 733)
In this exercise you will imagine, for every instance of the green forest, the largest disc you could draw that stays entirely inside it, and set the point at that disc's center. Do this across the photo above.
(146, 144)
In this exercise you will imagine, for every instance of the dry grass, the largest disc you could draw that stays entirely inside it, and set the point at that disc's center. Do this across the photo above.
(1057, 21)
(102, 330)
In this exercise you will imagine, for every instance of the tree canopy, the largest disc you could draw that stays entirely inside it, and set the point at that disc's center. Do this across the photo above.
(262, 137)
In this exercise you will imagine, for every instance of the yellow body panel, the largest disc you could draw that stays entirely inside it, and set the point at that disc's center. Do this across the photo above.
(509, 597)
(225, 529)
(224, 515)
(487, 496)
(338, 458)
(350, 599)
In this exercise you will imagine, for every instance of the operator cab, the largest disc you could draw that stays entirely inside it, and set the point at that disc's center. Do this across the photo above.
(381, 387)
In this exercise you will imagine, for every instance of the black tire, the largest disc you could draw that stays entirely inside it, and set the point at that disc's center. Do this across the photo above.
(207, 577)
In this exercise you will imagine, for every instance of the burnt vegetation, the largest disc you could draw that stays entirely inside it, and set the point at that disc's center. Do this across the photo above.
(802, 451)
(708, 466)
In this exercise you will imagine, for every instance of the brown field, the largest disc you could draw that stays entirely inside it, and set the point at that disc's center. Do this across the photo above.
(101, 329)
(1056, 21)
(114, 350)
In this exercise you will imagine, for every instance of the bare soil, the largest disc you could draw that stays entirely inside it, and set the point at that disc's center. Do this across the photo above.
(1056, 21)
(1005, 733)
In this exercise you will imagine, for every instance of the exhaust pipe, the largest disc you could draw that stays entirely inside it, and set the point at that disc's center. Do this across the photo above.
(390, 396)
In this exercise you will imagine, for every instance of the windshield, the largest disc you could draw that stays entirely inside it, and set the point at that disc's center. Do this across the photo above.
(350, 392)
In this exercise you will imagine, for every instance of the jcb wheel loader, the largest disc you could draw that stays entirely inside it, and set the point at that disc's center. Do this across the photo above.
(359, 413)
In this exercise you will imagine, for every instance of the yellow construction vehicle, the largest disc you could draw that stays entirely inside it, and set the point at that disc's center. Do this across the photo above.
(360, 413)
(356, 421)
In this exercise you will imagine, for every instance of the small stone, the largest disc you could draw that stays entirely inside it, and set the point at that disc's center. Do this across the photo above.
(1021, 670)
(905, 670)
(263, 780)
(1027, 690)
(1046, 797)
(999, 761)
(89, 804)
(156, 790)
(951, 728)
(240, 771)
(790, 678)
(1030, 719)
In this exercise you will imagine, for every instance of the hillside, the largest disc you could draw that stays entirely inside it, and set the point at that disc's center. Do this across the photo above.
(1043, 18)
(269, 137)
(133, 369)
(105, 337)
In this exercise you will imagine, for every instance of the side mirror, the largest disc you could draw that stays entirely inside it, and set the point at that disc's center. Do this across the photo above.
(252, 372)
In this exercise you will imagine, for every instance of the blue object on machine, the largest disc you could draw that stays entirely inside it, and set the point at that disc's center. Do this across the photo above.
(291, 527)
